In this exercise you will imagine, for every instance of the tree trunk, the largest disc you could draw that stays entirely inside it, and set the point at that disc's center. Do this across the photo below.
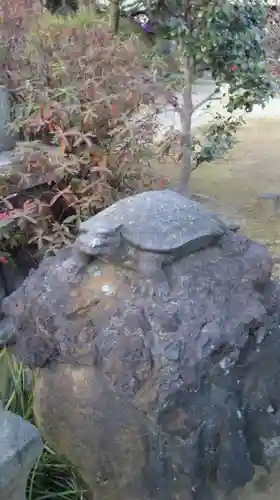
(115, 15)
(186, 124)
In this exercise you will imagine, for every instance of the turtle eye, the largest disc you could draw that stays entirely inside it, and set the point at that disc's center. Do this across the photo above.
(82, 231)
(95, 241)
(104, 235)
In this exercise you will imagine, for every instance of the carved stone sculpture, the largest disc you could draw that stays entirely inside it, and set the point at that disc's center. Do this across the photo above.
(154, 396)
(148, 231)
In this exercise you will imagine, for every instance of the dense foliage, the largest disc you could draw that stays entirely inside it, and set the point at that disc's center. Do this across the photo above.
(273, 41)
(77, 90)
(228, 39)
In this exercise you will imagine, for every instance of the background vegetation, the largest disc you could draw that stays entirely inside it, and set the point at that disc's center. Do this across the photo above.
(78, 91)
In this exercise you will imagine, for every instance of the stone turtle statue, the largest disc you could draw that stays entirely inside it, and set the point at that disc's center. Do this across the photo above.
(151, 399)
(148, 231)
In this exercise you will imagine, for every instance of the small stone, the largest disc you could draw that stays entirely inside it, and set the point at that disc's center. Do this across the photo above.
(20, 446)
(269, 203)
(7, 333)
(7, 140)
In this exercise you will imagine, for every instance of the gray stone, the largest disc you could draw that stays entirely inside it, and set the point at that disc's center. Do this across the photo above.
(156, 221)
(7, 160)
(269, 203)
(7, 140)
(151, 398)
(150, 230)
(12, 275)
(7, 333)
(20, 446)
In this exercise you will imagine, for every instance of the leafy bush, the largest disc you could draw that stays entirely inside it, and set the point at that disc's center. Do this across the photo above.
(14, 15)
(78, 90)
(273, 41)
(227, 37)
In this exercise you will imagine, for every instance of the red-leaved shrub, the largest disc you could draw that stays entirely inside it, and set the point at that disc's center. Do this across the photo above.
(79, 90)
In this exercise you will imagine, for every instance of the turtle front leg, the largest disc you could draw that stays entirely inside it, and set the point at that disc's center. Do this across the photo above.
(151, 266)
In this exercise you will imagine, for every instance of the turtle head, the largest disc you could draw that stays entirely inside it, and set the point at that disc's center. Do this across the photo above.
(103, 241)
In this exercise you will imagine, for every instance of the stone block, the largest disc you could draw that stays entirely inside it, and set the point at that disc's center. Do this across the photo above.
(20, 446)
(269, 203)
(7, 140)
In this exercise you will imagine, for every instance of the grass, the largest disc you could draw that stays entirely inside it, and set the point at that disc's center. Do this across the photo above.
(51, 477)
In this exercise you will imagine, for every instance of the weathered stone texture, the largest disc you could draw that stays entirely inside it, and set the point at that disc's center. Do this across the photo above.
(7, 140)
(153, 397)
(20, 446)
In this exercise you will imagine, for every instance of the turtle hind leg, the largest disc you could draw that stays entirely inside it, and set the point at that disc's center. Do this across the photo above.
(150, 265)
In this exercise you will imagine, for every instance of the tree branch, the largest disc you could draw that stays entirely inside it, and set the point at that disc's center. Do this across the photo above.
(208, 98)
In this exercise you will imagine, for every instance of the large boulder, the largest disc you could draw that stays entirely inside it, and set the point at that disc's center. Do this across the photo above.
(155, 397)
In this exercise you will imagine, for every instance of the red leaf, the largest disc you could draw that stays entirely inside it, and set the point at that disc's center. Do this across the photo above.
(163, 182)
(4, 215)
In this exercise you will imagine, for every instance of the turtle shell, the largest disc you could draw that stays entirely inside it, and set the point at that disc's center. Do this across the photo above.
(158, 221)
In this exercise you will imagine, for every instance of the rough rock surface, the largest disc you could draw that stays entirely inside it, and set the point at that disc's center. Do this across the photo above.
(7, 140)
(156, 398)
(158, 221)
(20, 446)
(148, 231)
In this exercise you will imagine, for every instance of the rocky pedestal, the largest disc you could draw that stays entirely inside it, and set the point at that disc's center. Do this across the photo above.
(20, 446)
(151, 396)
